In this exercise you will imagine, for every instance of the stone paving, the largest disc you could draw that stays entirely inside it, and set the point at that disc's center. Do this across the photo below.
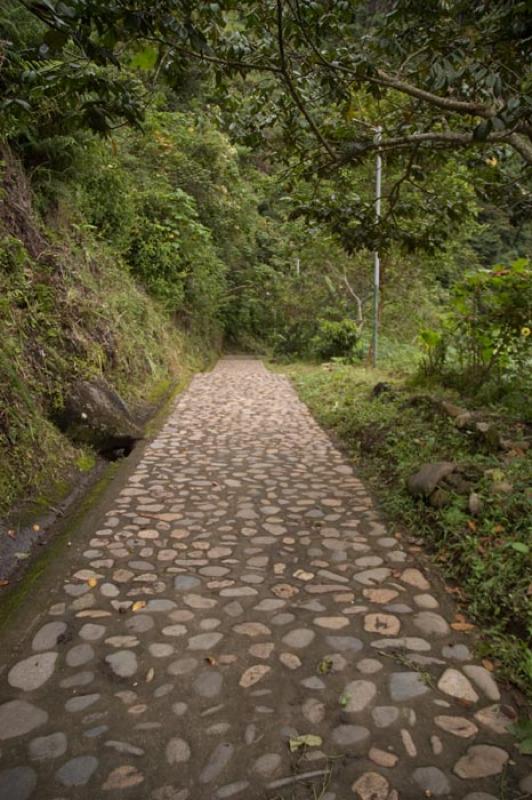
(244, 592)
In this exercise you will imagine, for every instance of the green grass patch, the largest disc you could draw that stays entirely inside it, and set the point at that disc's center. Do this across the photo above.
(489, 556)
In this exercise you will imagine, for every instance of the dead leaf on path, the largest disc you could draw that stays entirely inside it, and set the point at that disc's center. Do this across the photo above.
(210, 660)
(306, 740)
(150, 675)
(4, 583)
(461, 624)
(487, 664)
(472, 525)
(92, 582)
(22, 556)
(36, 528)
(138, 605)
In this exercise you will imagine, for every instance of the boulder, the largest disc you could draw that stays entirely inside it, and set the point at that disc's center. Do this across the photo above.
(95, 414)
(452, 410)
(423, 482)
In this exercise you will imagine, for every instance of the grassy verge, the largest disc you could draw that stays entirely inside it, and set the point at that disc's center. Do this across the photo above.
(489, 556)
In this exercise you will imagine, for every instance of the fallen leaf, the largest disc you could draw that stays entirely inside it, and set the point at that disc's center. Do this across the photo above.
(138, 605)
(22, 556)
(12, 535)
(462, 626)
(471, 524)
(487, 664)
(325, 666)
(306, 740)
(36, 527)
(92, 582)
(4, 583)
(210, 660)
(150, 675)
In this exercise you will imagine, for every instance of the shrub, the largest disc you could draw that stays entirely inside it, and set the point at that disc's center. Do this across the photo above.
(336, 339)
(485, 339)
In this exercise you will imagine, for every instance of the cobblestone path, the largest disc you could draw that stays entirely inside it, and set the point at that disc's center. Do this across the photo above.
(241, 593)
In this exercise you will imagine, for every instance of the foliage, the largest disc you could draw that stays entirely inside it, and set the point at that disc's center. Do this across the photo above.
(486, 335)
(486, 556)
(336, 339)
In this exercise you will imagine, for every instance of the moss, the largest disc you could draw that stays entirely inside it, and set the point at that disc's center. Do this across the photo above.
(86, 461)
(11, 599)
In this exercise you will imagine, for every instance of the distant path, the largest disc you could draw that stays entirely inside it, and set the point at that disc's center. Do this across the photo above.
(243, 591)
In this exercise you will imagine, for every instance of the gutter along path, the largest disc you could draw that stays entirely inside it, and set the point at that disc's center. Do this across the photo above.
(241, 592)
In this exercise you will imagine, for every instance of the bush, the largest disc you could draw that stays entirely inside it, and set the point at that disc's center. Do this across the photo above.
(336, 339)
(485, 339)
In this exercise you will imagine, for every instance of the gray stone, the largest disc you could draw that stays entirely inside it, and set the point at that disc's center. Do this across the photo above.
(17, 783)
(140, 623)
(208, 684)
(299, 638)
(481, 761)
(81, 703)
(218, 760)
(494, 718)
(231, 789)
(79, 655)
(406, 685)
(344, 643)
(183, 583)
(123, 663)
(350, 735)
(423, 482)
(94, 413)
(431, 624)
(267, 764)
(45, 747)
(484, 681)
(18, 717)
(457, 652)
(77, 771)
(358, 695)
(432, 780)
(79, 679)
(46, 638)
(204, 641)
(32, 672)
(177, 751)
(455, 684)
(91, 632)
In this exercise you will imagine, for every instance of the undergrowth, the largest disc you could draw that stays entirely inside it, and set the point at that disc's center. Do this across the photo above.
(489, 556)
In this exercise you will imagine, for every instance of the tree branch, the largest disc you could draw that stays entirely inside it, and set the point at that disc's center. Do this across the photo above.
(442, 139)
(289, 83)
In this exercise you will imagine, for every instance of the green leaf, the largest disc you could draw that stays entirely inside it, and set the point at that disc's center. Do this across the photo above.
(145, 59)
(521, 547)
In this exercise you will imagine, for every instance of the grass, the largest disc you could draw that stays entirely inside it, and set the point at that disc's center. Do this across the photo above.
(487, 557)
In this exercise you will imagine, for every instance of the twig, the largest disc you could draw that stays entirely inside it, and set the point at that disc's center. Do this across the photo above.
(302, 776)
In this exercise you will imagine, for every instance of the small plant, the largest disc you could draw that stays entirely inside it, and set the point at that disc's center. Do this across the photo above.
(336, 339)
